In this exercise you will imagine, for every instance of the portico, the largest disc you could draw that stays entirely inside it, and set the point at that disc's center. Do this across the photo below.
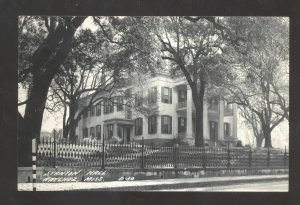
(118, 129)
(219, 119)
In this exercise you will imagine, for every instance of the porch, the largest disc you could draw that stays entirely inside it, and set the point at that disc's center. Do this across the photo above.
(118, 130)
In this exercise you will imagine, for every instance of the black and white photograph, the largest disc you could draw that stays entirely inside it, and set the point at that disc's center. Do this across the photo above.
(153, 103)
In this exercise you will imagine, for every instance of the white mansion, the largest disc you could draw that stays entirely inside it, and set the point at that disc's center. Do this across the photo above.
(170, 115)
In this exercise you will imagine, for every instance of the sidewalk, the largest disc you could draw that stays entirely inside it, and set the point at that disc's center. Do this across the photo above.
(146, 185)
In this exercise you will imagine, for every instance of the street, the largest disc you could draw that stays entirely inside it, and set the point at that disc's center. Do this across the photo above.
(278, 186)
(209, 184)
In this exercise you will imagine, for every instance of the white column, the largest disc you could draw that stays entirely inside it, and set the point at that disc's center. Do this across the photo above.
(205, 121)
(158, 128)
(221, 121)
(115, 131)
(234, 126)
(174, 115)
(189, 113)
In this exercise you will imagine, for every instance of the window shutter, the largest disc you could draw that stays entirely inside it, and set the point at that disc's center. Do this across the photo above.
(170, 96)
(99, 131)
(170, 125)
(135, 127)
(162, 122)
(149, 124)
(141, 126)
(155, 124)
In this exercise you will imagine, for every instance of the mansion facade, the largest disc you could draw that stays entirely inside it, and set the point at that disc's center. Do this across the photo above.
(163, 111)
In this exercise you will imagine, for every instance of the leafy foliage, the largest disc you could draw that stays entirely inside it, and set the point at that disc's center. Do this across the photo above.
(260, 74)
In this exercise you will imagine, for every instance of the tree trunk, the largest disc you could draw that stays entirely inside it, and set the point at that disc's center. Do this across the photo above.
(66, 129)
(198, 102)
(72, 133)
(259, 140)
(72, 121)
(33, 119)
(267, 135)
(44, 69)
(199, 140)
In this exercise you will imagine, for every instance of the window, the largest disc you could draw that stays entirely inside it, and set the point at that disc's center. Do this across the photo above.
(139, 98)
(109, 131)
(152, 95)
(120, 132)
(152, 122)
(120, 102)
(213, 103)
(108, 106)
(92, 132)
(166, 95)
(85, 132)
(227, 107)
(181, 125)
(182, 95)
(226, 130)
(213, 130)
(98, 132)
(166, 124)
(92, 111)
(138, 126)
(128, 112)
(98, 109)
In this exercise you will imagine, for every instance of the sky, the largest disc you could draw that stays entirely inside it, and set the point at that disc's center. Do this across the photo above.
(280, 135)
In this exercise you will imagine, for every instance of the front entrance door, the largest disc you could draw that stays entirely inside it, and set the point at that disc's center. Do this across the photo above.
(126, 132)
(213, 130)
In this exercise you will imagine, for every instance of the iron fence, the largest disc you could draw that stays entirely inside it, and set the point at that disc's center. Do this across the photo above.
(109, 155)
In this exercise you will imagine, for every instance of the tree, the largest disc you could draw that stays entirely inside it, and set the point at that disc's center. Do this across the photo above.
(98, 65)
(92, 77)
(259, 85)
(253, 123)
(194, 46)
(49, 41)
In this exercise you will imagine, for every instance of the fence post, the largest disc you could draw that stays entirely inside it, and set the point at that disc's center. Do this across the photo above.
(54, 154)
(204, 159)
(250, 158)
(268, 157)
(34, 153)
(142, 158)
(228, 156)
(175, 155)
(284, 157)
(103, 153)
